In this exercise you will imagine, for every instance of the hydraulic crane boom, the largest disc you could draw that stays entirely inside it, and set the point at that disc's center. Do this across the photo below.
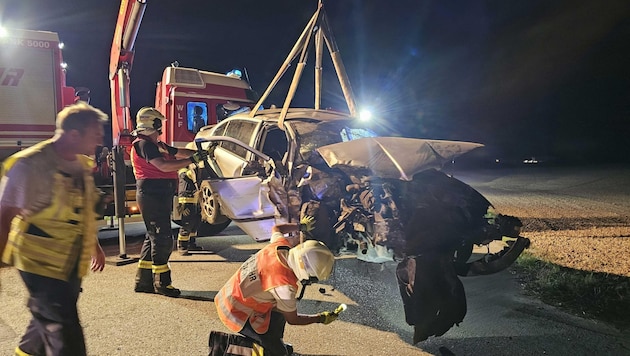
(121, 60)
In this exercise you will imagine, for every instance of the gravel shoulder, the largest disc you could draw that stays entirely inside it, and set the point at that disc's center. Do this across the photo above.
(576, 217)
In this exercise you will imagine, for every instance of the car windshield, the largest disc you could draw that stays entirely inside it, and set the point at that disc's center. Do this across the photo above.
(312, 134)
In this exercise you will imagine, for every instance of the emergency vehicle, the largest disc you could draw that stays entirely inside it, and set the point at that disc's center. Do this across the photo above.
(32, 87)
(188, 98)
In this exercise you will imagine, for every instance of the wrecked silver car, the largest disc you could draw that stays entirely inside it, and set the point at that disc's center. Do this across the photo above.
(381, 198)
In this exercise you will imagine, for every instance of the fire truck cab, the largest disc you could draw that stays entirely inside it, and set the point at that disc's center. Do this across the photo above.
(191, 98)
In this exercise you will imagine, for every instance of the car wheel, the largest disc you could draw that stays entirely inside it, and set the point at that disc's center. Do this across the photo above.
(209, 206)
(210, 209)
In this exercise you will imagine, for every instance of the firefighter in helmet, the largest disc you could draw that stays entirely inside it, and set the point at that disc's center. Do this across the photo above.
(260, 298)
(155, 165)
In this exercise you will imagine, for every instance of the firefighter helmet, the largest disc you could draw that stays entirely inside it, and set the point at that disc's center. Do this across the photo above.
(148, 120)
(311, 260)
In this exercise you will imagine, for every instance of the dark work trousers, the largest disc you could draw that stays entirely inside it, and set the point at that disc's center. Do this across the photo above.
(187, 188)
(271, 341)
(155, 200)
(55, 329)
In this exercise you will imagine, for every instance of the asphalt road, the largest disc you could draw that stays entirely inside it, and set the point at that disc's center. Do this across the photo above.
(501, 319)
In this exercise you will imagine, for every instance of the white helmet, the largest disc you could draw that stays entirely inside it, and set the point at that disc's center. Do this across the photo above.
(311, 260)
(148, 121)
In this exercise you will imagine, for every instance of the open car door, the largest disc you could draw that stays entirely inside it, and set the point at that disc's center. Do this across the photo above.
(243, 199)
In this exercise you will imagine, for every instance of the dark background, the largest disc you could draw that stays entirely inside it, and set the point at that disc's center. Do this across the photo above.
(544, 79)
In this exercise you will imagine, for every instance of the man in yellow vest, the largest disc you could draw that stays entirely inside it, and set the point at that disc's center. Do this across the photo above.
(48, 228)
(260, 298)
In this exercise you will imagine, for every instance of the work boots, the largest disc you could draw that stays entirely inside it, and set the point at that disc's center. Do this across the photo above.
(162, 284)
(186, 243)
(144, 281)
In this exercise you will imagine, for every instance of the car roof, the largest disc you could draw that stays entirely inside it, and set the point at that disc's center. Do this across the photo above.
(271, 115)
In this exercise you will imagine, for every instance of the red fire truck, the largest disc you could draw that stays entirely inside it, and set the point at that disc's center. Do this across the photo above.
(189, 99)
(32, 87)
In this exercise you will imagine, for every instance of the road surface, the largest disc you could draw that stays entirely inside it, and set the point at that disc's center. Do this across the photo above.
(501, 319)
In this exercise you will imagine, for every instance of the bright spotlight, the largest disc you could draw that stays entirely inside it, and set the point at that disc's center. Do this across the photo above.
(3, 32)
(61, 45)
(64, 65)
(365, 115)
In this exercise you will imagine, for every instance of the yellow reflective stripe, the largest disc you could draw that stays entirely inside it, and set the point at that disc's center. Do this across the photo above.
(160, 269)
(19, 352)
(181, 237)
(142, 264)
(257, 350)
(186, 200)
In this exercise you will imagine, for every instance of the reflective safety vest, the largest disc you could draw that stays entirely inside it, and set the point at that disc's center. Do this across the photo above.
(142, 169)
(62, 236)
(265, 270)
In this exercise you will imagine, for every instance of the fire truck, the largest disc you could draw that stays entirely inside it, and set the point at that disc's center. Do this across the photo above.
(189, 99)
(32, 87)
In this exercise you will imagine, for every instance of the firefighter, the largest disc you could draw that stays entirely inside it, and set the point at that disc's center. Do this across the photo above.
(260, 298)
(47, 213)
(189, 211)
(155, 165)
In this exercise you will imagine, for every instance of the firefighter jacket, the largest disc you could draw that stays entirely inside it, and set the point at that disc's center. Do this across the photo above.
(61, 237)
(265, 270)
(142, 169)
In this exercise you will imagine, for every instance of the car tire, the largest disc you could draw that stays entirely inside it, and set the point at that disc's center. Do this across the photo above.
(210, 209)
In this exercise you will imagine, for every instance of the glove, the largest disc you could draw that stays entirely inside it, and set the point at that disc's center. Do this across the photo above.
(183, 209)
(199, 156)
(327, 317)
(307, 223)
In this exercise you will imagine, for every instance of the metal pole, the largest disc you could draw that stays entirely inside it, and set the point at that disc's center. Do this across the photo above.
(339, 67)
(294, 52)
(119, 196)
(319, 49)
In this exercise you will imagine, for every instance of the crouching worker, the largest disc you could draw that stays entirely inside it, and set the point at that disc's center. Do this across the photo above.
(260, 298)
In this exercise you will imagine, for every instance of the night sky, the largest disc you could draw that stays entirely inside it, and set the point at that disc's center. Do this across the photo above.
(549, 79)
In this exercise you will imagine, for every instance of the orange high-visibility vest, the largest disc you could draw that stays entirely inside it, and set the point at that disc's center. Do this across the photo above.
(261, 272)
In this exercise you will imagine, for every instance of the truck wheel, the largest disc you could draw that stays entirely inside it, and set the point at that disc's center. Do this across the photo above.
(206, 229)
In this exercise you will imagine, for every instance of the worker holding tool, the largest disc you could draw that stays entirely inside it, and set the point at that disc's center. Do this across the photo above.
(260, 298)
(155, 165)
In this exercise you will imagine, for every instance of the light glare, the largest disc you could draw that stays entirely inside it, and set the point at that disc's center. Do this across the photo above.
(365, 115)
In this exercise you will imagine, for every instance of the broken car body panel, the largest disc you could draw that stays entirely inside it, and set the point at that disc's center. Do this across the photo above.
(394, 157)
(380, 198)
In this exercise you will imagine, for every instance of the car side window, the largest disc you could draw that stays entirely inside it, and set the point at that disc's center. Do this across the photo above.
(275, 144)
(220, 129)
(242, 131)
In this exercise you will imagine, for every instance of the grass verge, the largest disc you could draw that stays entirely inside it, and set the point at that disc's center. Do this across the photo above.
(600, 296)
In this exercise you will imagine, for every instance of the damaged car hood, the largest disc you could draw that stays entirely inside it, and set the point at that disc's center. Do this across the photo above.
(393, 157)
